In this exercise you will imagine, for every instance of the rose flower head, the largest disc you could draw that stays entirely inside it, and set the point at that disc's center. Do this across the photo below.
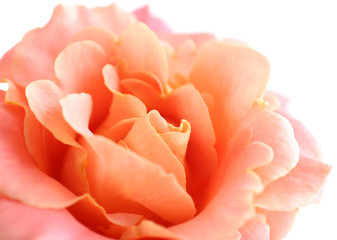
(113, 127)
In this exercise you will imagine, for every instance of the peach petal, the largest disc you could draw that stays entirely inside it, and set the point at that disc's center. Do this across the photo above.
(123, 106)
(296, 189)
(109, 172)
(106, 39)
(52, 224)
(6, 65)
(176, 39)
(227, 211)
(145, 92)
(186, 103)
(145, 140)
(156, 24)
(21, 178)
(256, 228)
(146, 53)
(43, 98)
(78, 68)
(280, 223)
(276, 132)
(241, 79)
(111, 79)
(148, 230)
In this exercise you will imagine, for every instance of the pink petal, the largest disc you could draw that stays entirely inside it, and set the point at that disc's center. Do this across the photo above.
(177, 38)
(142, 51)
(241, 79)
(255, 228)
(22, 180)
(2, 96)
(278, 134)
(296, 189)
(280, 223)
(18, 221)
(155, 24)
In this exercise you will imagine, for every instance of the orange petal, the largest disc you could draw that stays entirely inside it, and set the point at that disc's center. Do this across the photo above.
(280, 223)
(240, 80)
(148, 230)
(296, 189)
(2, 96)
(145, 140)
(111, 79)
(30, 185)
(186, 103)
(33, 223)
(110, 174)
(278, 134)
(78, 68)
(123, 106)
(142, 51)
(255, 228)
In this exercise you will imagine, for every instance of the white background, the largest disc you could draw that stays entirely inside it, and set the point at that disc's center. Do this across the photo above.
(298, 37)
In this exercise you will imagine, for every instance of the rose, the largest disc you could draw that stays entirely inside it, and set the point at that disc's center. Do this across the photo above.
(108, 131)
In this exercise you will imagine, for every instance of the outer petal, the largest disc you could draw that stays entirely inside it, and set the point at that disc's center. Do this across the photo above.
(176, 39)
(298, 188)
(279, 222)
(240, 77)
(21, 178)
(22, 222)
(275, 131)
(65, 22)
(142, 51)
(157, 25)
(256, 228)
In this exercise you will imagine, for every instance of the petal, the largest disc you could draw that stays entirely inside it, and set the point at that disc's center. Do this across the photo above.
(65, 22)
(18, 221)
(235, 86)
(148, 230)
(255, 228)
(176, 39)
(22, 180)
(106, 39)
(234, 186)
(111, 79)
(78, 68)
(145, 140)
(142, 51)
(186, 103)
(280, 223)
(43, 98)
(2, 96)
(296, 189)
(110, 175)
(157, 25)
(274, 130)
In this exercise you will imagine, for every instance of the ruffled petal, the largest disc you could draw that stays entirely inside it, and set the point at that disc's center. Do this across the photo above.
(274, 130)
(144, 139)
(142, 51)
(256, 228)
(280, 223)
(232, 193)
(78, 68)
(22, 180)
(240, 80)
(144, 15)
(148, 230)
(176, 39)
(110, 176)
(296, 189)
(18, 221)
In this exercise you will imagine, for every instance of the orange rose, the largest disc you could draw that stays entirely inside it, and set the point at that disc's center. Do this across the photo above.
(110, 130)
